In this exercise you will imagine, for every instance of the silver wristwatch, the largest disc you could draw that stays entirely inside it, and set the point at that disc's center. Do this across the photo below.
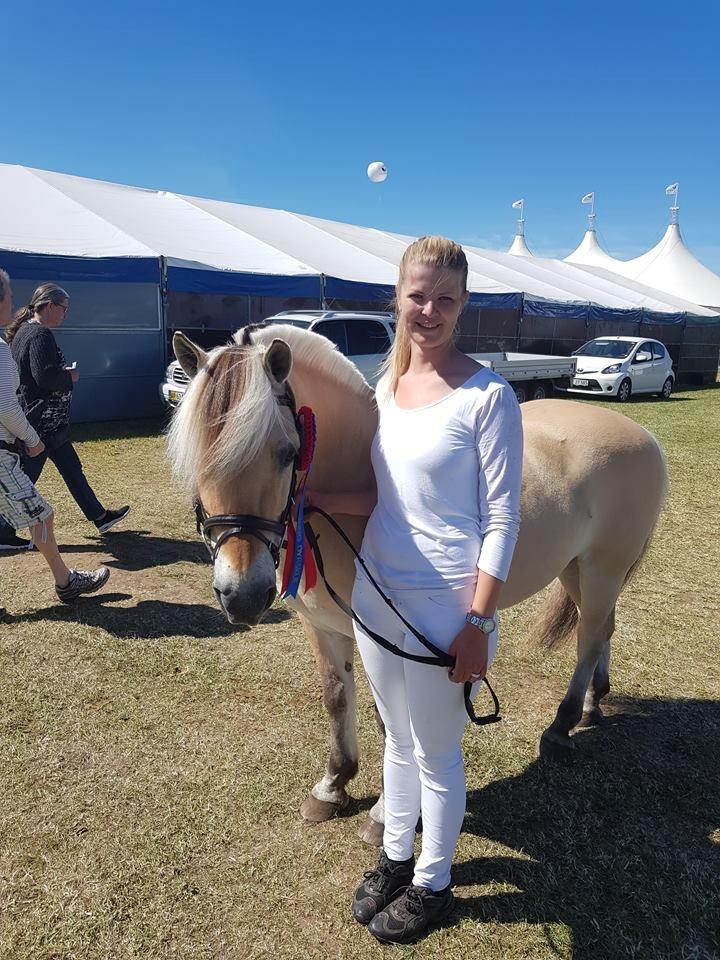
(486, 624)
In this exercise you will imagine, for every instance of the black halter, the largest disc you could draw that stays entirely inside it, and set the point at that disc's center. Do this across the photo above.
(247, 524)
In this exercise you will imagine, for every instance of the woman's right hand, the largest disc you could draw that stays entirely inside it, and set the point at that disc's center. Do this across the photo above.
(74, 375)
(36, 450)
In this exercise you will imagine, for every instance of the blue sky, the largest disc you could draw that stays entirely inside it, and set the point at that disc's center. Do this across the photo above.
(471, 105)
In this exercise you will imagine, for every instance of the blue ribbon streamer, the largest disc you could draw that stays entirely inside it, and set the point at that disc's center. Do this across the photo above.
(299, 554)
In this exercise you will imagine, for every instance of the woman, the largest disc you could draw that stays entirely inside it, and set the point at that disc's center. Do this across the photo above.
(20, 502)
(46, 385)
(447, 458)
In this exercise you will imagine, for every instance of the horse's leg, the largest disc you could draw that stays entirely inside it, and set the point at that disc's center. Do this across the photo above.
(334, 656)
(597, 589)
(372, 830)
(600, 682)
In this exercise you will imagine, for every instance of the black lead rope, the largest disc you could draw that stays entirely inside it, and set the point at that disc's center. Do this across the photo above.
(439, 658)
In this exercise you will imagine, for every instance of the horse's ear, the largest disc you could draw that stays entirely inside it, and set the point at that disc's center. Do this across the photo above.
(190, 356)
(278, 361)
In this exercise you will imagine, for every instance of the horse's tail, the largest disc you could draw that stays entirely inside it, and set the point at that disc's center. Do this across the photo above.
(558, 619)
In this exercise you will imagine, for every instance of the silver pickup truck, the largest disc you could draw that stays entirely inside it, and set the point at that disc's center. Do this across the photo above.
(366, 337)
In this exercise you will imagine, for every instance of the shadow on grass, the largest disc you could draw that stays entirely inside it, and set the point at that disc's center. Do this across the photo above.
(622, 843)
(119, 429)
(141, 550)
(147, 620)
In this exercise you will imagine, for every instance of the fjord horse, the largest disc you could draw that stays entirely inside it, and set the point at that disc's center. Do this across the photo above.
(593, 487)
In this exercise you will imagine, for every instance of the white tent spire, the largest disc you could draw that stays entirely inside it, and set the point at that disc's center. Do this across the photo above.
(590, 198)
(672, 190)
(518, 247)
(589, 253)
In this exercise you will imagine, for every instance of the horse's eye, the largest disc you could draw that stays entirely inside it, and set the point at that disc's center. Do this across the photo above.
(287, 456)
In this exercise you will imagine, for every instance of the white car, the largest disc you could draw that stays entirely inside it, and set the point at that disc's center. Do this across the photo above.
(622, 366)
(364, 337)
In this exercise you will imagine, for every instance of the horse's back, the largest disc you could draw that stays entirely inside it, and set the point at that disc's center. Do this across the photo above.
(593, 482)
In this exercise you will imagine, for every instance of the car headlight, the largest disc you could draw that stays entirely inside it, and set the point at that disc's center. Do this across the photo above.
(613, 368)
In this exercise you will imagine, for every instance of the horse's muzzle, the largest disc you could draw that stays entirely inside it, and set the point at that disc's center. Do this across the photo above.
(243, 607)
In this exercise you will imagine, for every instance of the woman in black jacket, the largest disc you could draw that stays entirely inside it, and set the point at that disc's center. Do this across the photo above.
(46, 385)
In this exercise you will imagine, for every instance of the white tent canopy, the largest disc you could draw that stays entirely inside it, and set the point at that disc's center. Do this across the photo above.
(518, 248)
(68, 216)
(590, 253)
(670, 266)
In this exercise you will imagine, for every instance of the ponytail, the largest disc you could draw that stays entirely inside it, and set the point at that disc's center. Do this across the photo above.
(21, 317)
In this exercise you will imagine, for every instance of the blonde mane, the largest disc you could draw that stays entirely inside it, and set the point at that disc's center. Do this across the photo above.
(230, 409)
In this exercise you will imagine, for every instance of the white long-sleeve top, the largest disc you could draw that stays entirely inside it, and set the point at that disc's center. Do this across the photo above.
(13, 422)
(448, 480)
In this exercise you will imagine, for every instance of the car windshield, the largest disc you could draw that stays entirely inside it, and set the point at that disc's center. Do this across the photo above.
(614, 349)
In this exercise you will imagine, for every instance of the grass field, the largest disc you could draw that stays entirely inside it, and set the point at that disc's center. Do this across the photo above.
(153, 760)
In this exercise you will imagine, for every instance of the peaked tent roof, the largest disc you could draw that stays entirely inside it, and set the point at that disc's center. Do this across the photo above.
(518, 248)
(590, 253)
(67, 216)
(671, 267)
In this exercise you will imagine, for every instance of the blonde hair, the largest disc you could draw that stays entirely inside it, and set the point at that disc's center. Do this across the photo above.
(441, 254)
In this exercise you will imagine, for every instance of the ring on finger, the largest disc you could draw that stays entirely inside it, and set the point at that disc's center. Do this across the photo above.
(475, 677)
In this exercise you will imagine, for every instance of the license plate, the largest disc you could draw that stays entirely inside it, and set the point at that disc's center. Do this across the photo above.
(578, 382)
(174, 396)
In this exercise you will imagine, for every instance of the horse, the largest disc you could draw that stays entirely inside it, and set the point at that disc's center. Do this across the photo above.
(593, 487)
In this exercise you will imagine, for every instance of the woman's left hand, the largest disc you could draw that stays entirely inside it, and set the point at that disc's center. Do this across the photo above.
(470, 649)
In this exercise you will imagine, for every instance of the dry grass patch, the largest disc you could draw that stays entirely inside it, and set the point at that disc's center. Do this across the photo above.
(153, 761)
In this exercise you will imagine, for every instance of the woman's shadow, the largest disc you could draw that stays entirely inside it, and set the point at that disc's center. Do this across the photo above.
(621, 846)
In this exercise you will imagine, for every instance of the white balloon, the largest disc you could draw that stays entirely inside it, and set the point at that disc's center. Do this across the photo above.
(377, 171)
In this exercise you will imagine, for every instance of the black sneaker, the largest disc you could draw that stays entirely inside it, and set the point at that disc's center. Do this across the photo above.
(11, 541)
(411, 916)
(381, 886)
(82, 581)
(110, 518)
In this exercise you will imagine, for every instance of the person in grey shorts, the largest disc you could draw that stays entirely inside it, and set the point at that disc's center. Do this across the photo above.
(20, 503)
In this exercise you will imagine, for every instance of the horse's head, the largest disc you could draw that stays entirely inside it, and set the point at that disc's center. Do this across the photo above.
(234, 442)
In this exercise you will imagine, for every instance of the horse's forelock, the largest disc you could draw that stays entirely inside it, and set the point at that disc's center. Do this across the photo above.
(226, 417)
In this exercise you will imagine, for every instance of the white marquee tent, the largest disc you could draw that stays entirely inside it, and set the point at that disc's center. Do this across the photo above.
(669, 266)
(123, 251)
(205, 241)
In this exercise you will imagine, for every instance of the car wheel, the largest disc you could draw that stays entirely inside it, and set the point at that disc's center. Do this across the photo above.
(540, 391)
(666, 389)
(624, 391)
(520, 392)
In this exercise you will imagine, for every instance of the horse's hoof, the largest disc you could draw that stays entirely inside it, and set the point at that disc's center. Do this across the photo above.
(555, 746)
(371, 832)
(592, 718)
(318, 811)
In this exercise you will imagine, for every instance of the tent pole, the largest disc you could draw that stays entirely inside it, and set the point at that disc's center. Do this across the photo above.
(163, 307)
(323, 301)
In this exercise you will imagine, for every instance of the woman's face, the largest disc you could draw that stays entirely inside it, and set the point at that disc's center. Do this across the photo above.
(54, 314)
(430, 301)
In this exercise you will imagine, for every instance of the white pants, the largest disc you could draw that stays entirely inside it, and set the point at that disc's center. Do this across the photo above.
(424, 716)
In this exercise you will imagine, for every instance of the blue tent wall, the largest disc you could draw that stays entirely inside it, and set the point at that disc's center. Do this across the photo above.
(114, 328)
